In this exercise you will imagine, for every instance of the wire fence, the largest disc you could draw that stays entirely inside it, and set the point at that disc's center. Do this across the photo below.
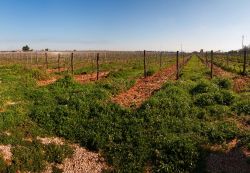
(87, 62)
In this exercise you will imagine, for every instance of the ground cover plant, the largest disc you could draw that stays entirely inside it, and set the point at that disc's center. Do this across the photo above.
(170, 132)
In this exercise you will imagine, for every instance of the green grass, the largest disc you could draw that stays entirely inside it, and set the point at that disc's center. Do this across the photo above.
(167, 133)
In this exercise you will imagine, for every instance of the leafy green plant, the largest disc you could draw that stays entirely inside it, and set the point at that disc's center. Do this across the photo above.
(223, 83)
(242, 107)
(57, 153)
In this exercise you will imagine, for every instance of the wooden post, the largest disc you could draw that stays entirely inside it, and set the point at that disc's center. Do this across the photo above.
(72, 63)
(27, 59)
(144, 61)
(36, 59)
(97, 66)
(58, 62)
(206, 60)
(46, 60)
(177, 66)
(245, 61)
(227, 59)
(182, 54)
(31, 58)
(160, 60)
(212, 63)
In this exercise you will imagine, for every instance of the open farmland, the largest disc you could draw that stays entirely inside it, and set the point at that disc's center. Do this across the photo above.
(124, 86)
(122, 112)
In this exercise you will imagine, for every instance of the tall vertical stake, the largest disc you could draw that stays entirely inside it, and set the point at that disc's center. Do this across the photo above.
(177, 66)
(72, 63)
(36, 59)
(206, 59)
(183, 59)
(212, 63)
(160, 60)
(58, 62)
(245, 61)
(144, 61)
(46, 60)
(227, 59)
(97, 66)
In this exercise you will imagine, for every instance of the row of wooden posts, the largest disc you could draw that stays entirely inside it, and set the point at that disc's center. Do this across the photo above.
(97, 63)
(144, 63)
(212, 62)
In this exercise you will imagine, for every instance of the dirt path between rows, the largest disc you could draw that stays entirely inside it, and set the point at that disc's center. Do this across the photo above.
(85, 78)
(240, 83)
(90, 77)
(145, 87)
(56, 70)
(234, 159)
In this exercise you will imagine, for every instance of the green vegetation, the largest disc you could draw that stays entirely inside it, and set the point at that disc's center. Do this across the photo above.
(166, 134)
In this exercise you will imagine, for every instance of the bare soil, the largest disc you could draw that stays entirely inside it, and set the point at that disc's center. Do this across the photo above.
(5, 152)
(47, 82)
(79, 78)
(57, 70)
(83, 161)
(241, 83)
(90, 77)
(144, 88)
(233, 161)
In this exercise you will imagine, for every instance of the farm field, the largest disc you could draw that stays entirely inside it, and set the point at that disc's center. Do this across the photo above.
(231, 61)
(194, 124)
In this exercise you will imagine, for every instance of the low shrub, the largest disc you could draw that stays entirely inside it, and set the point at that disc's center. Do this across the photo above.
(150, 72)
(224, 97)
(205, 99)
(223, 83)
(218, 110)
(203, 87)
(242, 107)
(221, 131)
(175, 154)
(57, 153)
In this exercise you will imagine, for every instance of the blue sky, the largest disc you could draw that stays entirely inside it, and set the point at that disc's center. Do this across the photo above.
(124, 24)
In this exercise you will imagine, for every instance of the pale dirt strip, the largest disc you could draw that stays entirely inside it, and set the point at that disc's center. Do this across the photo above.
(145, 87)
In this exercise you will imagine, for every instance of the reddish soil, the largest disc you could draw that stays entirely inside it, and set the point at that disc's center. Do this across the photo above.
(221, 73)
(47, 82)
(144, 88)
(90, 77)
(233, 161)
(56, 70)
(241, 83)
(79, 78)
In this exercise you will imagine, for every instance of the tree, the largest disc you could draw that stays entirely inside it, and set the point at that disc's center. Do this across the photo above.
(26, 48)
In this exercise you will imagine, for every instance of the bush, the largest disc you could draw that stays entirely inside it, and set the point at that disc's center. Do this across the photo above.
(203, 87)
(221, 131)
(242, 107)
(205, 99)
(224, 97)
(39, 74)
(150, 72)
(57, 153)
(170, 101)
(218, 110)
(175, 154)
(223, 83)
(29, 158)
(3, 166)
